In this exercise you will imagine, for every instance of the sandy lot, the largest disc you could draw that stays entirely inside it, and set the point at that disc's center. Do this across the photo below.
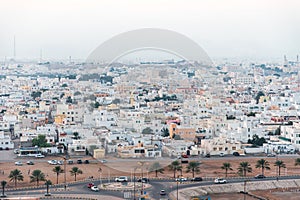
(231, 196)
(279, 194)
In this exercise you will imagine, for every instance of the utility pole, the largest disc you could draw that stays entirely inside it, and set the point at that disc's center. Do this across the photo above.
(134, 183)
(277, 168)
(14, 47)
(142, 163)
(177, 186)
(65, 169)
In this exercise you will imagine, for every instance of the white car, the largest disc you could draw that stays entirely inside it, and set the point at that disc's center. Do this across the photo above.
(18, 163)
(39, 156)
(95, 188)
(52, 162)
(220, 181)
(181, 179)
(103, 161)
(121, 179)
(60, 162)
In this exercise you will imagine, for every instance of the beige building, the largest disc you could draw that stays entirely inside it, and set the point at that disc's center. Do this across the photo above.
(221, 144)
(99, 153)
(185, 133)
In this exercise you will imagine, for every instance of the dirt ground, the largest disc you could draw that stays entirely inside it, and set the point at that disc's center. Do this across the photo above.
(114, 167)
(279, 194)
(231, 196)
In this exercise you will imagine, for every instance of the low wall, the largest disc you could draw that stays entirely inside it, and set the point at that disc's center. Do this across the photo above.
(185, 194)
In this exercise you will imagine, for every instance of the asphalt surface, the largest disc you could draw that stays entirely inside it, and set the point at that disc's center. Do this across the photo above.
(81, 189)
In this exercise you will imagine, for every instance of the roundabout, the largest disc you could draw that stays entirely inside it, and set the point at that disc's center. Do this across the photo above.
(125, 186)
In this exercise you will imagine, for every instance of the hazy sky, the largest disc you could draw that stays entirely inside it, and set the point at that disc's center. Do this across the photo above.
(224, 28)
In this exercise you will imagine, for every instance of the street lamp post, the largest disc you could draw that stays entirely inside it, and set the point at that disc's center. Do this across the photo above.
(134, 183)
(142, 163)
(277, 171)
(100, 170)
(245, 182)
(177, 187)
(65, 174)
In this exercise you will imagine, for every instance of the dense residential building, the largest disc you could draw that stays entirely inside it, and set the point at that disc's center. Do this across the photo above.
(127, 114)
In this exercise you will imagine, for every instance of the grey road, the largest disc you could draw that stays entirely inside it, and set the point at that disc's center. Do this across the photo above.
(153, 192)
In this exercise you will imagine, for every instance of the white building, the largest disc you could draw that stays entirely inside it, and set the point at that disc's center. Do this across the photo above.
(5, 141)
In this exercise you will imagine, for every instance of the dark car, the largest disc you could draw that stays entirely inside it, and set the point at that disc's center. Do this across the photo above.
(207, 155)
(79, 161)
(236, 153)
(259, 176)
(162, 192)
(184, 161)
(86, 162)
(144, 180)
(197, 179)
(70, 162)
(29, 163)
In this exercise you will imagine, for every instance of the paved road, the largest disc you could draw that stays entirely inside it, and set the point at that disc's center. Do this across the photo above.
(157, 185)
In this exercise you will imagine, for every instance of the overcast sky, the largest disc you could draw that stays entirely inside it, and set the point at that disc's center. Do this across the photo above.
(223, 28)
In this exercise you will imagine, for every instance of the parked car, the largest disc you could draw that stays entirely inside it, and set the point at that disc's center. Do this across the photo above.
(95, 188)
(121, 179)
(60, 162)
(197, 179)
(89, 185)
(236, 153)
(86, 162)
(79, 161)
(184, 156)
(70, 162)
(220, 181)
(181, 179)
(271, 155)
(16, 151)
(18, 163)
(52, 162)
(144, 180)
(39, 155)
(259, 176)
(184, 161)
(221, 154)
(162, 192)
(103, 161)
(207, 155)
(29, 163)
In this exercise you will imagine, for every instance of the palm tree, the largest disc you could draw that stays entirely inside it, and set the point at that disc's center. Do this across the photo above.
(58, 170)
(193, 167)
(263, 164)
(47, 183)
(226, 166)
(3, 184)
(75, 171)
(297, 162)
(165, 132)
(280, 164)
(175, 166)
(244, 168)
(37, 176)
(157, 168)
(16, 175)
